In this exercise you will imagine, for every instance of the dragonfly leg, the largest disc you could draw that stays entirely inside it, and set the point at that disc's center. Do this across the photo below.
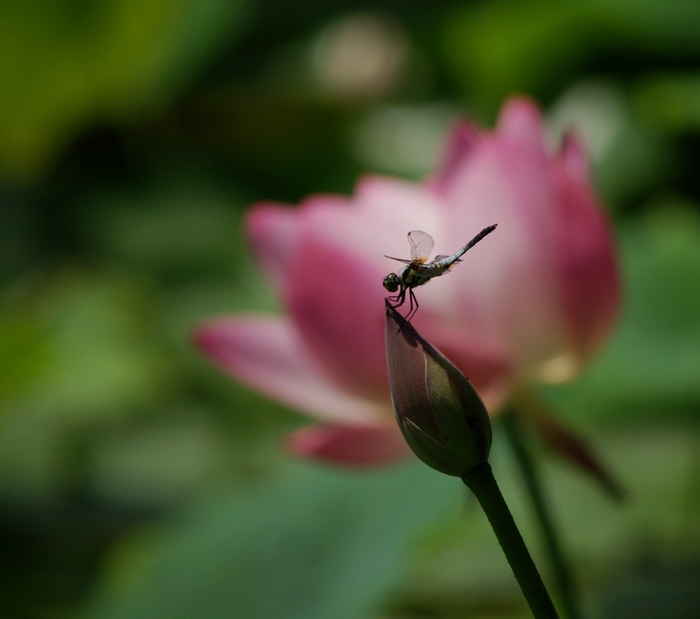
(398, 299)
(413, 304)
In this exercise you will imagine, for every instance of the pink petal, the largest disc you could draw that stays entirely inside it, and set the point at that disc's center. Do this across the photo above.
(266, 353)
(575, 158)
(544, 284)
(586, 266)
(521, 119)
(365, 445)
(334, 284)
(336, 301)
(366, 225)
(272, 231)
(461, 141)
(505, 293)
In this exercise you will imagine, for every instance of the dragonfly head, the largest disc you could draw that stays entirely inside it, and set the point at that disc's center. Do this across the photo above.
(392, 282)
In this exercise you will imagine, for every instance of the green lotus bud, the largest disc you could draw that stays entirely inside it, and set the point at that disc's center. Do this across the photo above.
(439, 412)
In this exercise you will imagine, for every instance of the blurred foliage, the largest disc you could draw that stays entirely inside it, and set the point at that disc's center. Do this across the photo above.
(315, 558)
(67, 63)
(534, 46)
(135, 480)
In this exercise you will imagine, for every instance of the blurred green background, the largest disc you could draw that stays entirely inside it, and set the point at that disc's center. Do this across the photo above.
(136, 481)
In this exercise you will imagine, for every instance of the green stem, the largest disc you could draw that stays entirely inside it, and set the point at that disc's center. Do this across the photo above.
(558, 564)
(482, 483)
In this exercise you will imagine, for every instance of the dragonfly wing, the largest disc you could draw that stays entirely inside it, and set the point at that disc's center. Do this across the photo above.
(421, 245)
(399, 259)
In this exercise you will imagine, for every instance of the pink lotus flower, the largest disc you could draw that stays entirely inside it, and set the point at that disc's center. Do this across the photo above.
(533, 301)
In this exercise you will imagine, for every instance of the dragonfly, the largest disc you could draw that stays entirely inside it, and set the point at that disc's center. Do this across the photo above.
(419, 271)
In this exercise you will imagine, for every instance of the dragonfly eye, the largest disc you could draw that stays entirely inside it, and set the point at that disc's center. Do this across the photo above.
(391, 282)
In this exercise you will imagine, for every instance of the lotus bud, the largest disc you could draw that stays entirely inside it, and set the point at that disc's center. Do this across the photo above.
(439, 412)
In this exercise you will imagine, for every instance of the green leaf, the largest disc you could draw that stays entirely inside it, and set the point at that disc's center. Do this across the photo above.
(536, 46)
(83, 349)
(65, 64)
(670, 101)
(312, 544)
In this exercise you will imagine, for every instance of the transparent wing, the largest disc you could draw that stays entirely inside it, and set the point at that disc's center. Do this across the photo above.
(421, 245)
(399, 259)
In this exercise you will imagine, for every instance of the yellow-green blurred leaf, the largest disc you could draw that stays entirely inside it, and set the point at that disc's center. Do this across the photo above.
(67, 63)
(533, 46)
(78, 347)
(670, 101)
